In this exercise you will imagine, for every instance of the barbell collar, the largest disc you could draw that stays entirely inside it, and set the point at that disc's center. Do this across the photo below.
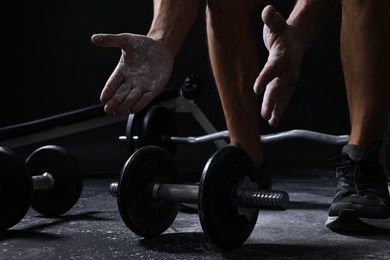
(113, 189)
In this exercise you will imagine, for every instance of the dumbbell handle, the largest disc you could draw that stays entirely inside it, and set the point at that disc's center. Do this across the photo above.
(176, 193)
(247, 198)
(43, 181)
(269, 138)
(168, 192)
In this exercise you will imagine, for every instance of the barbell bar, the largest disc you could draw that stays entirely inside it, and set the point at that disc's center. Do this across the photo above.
(268, 138)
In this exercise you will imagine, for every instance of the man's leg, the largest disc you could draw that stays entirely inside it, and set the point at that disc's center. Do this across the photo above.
(365, 41)
(362, 200)
(234, 60)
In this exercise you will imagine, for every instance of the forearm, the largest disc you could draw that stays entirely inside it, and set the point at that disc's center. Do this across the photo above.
(308, 16)
(171, 21)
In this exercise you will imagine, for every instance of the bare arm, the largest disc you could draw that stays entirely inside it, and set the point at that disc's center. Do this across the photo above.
(171, 22)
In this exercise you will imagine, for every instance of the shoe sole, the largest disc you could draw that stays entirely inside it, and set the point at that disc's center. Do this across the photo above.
(349, 221)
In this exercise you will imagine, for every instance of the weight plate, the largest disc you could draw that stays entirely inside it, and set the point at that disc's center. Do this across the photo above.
(68, 180)
(144, 215)
(133, 128)
(218, 213)
(15, 189)
(158, 123)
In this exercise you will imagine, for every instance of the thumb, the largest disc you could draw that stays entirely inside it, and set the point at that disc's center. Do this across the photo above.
(110, 40)
(272, 19)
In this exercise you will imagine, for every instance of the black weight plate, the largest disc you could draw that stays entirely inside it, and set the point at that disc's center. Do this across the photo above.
(133, 128)
(68, 180)
(15, 189)
(218, 215)
(144, 215)
(158, 122)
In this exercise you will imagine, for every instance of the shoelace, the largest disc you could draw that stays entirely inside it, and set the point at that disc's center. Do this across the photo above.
(347, 172)
(346, 169)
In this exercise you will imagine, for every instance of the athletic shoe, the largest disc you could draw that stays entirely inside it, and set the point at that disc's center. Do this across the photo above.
(362, 200)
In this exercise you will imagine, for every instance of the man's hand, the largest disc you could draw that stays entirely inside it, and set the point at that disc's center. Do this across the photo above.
(280, 74)
(142, 73)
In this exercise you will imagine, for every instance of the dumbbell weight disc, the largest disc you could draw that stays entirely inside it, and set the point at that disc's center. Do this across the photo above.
(141, 213)
(158, 122)
(219, 217)
(68, 180)
(133, 128)
(151, 126)
(15, 189)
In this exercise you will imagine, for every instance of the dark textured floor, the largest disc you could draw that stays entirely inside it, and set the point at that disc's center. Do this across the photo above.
(93, 229)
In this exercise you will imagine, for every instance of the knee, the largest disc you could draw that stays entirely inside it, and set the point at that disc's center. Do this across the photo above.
(225, 11)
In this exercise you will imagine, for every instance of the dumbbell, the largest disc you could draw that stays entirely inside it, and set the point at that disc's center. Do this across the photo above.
(50, 181)
(149, 195)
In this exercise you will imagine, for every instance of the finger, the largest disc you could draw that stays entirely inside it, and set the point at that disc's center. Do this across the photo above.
(270, 98)
(272, 19)
(274, 121)
(267, 74)
(278, 111)
(112, 84)
(120, 94)
(270, 71)
(142, 102)
(111, 40)
(125, 106)
(141, 86)
(278, 91)
(144, 96)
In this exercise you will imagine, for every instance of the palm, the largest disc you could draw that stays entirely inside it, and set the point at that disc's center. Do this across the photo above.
(141, 74)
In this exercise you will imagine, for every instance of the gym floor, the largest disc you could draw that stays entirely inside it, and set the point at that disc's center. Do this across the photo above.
(93, 229)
